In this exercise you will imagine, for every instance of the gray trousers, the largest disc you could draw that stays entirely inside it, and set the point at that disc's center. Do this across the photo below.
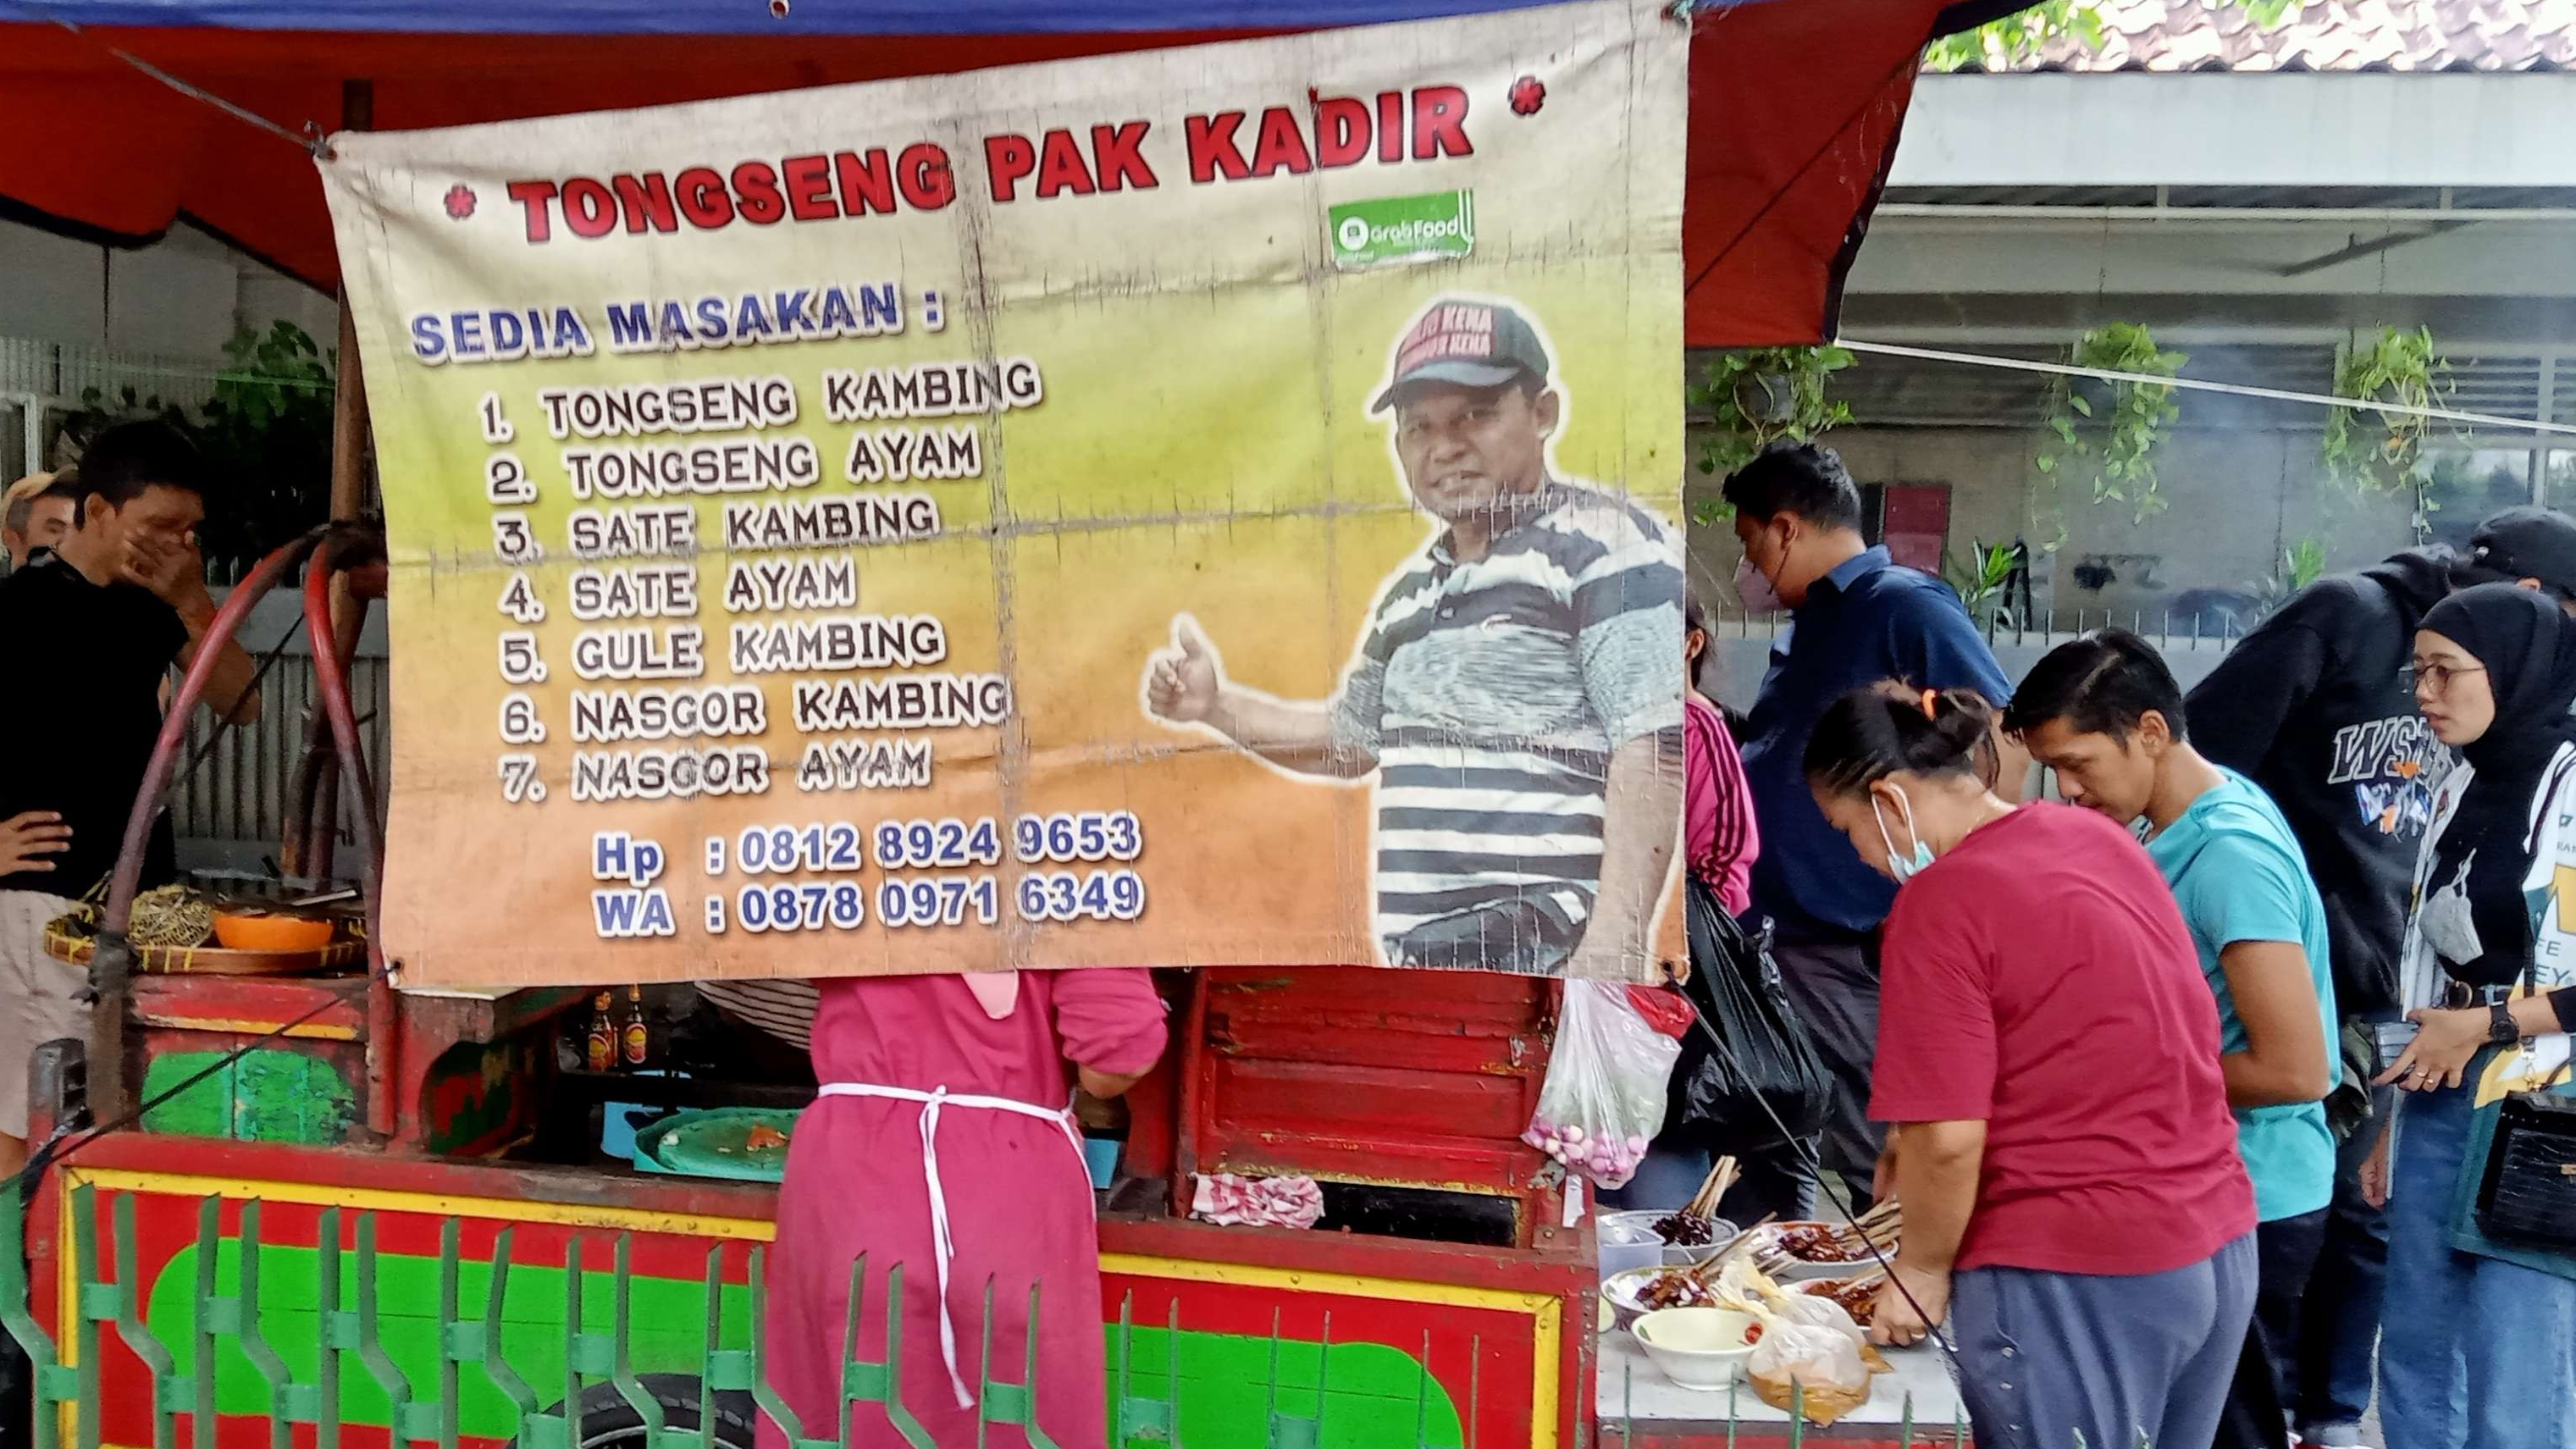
(1832, 983)
(2124, 1361)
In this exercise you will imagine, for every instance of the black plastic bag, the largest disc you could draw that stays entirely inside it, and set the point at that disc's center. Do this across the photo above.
(1718, 1097)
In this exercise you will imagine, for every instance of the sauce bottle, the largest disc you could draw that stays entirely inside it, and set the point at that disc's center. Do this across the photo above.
(637, 1041)
(600, 1051)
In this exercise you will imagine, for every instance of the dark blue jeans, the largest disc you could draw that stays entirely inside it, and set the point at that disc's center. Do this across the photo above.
(2484, 1354)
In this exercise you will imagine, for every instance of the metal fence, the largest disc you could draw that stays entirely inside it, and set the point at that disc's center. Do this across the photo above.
(1740, 652)
(2168, 629)
(238, 792)
(350, 1354)
(236, 795)
(326, 1347)
(332, 1351)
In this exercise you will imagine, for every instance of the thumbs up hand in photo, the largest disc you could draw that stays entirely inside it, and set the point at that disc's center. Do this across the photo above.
(1183, 683)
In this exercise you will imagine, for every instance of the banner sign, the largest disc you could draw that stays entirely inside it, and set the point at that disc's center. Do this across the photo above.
(1206, 506)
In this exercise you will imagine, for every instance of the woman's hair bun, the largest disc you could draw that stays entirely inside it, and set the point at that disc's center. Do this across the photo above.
(1962, 721)
(1880, 729)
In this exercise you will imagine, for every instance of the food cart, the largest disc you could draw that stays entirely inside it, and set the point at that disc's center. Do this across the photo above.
(340, 1231)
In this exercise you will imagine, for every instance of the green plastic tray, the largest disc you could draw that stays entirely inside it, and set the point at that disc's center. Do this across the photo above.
(708, 1143)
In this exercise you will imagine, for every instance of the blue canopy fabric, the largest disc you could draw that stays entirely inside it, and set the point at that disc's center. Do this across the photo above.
(747, 17)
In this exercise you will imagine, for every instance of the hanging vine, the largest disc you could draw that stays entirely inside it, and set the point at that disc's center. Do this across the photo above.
(2378, 451)
(1758, 396)
(2104, 432)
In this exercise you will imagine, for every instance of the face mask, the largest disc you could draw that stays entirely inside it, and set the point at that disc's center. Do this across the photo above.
(1901, 868)
(1754, 588)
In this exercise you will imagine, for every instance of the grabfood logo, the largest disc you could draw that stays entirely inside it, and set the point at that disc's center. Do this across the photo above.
(1439, 226)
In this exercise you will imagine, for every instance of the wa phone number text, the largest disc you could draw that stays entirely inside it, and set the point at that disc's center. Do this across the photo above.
(1040, 898)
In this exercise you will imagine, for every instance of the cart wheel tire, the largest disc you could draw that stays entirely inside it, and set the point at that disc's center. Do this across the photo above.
(609, 1422)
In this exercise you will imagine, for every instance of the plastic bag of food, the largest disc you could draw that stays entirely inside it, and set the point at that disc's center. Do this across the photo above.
(1604, 1096)
(1825, 1363)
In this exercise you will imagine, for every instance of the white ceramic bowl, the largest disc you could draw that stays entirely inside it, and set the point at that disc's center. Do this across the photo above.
(1697, 1348)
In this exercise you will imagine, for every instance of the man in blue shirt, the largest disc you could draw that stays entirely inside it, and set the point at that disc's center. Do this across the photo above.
(1857, 619)
(2105, 714)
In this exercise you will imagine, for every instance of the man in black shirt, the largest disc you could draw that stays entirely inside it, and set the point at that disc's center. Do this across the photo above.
(121, 598)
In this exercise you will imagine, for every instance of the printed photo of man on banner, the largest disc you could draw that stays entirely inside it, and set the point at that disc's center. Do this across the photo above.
(1515, 699)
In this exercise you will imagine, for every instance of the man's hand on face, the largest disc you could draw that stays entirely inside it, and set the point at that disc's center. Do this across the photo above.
(172, 569)
(1183, 683)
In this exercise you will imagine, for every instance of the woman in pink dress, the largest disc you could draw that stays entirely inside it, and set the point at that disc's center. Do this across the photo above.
(945, 1114)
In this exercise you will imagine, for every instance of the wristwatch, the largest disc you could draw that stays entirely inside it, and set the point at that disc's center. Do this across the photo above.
(2501, 1028)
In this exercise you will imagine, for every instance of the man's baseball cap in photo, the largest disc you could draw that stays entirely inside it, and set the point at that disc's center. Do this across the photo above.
(2528, 543)
(1468, 344)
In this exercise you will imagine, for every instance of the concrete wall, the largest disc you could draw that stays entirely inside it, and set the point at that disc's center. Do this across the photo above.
(181, 297)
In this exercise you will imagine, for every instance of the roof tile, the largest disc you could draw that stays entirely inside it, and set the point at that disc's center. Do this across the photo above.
(2324, 35)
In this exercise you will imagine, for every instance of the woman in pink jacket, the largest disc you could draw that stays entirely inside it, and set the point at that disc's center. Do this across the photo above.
(1718, 834)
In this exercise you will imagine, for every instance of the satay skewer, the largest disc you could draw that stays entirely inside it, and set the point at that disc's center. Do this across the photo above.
(1721, 1177)
(1700, 1270)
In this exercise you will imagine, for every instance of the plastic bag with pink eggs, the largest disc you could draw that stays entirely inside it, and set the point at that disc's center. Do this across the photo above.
(1603, 1100)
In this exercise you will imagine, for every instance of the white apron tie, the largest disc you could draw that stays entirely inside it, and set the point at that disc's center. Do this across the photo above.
(931, 1102)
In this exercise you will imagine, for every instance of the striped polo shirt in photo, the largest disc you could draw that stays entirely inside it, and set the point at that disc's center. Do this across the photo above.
(1492, 694)
(784, 1008)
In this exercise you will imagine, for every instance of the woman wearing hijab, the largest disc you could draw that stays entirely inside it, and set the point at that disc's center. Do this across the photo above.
(2495, 672)
(943, 1141)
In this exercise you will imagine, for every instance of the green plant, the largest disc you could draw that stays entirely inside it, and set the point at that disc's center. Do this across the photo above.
(2302, 564)
(2383, 451)
(1756, 396)
(1759, 396)
(1983, 579)
(2019, 37)
(266, 432)
(2106, 431)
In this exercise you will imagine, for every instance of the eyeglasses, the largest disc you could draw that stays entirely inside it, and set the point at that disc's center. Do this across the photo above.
(2427, 676)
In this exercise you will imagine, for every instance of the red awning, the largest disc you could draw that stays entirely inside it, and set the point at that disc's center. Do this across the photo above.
(1795, 106)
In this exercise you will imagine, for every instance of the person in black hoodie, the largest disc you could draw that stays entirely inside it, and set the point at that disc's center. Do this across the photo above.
(2315, 708)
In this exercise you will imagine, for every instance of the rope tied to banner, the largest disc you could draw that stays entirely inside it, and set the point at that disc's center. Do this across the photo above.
(311, 139)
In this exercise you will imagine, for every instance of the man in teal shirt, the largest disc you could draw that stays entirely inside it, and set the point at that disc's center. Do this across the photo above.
(2105, 715)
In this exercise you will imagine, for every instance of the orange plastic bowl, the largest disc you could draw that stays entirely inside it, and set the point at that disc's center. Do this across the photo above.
(271, 933)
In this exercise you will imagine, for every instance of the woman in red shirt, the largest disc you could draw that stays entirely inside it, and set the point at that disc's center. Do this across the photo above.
(2074, 1201)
